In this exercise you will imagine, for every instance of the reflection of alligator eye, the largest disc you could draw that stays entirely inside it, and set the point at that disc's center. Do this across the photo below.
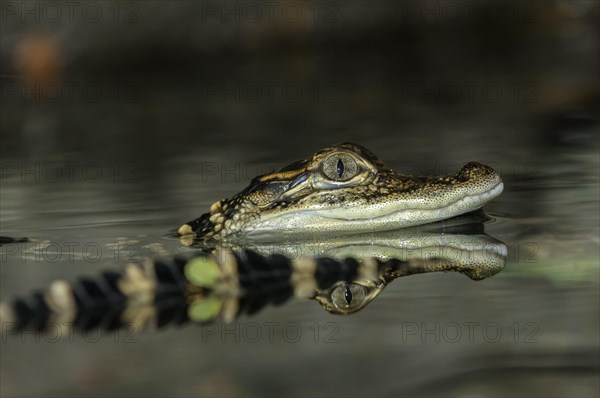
(340, 167)
(348, 295)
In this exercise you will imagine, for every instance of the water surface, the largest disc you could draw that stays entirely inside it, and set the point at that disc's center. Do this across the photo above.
(532, 327)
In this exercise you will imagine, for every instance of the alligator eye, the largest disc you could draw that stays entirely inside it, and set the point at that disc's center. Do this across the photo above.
(348, 295)
(340, 167)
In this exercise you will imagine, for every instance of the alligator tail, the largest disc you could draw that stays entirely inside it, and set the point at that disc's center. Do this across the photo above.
(102, 302)
(175, 291)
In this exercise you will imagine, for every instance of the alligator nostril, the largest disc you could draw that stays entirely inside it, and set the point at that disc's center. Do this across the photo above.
(472, 169)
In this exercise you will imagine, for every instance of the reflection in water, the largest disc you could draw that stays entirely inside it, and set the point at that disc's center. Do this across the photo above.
(343, 274)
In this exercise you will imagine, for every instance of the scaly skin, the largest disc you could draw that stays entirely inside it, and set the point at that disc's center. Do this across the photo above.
(343, 189)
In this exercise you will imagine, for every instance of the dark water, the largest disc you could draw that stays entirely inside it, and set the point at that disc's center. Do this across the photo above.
(175, 124)
(532, 327)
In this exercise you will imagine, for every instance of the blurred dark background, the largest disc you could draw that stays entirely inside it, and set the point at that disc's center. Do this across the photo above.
(156, 79)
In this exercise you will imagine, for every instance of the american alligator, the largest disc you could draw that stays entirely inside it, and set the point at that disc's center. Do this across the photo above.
(373, 218)
(342, 189)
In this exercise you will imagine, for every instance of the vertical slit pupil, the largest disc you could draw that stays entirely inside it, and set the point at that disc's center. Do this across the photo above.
(340, 167)
(348, 295)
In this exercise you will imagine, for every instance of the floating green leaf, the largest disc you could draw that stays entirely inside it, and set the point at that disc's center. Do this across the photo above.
(202, 272)
(205, 309)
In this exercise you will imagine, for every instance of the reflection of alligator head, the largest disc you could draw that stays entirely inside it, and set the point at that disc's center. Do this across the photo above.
(343, 189)
(343, 274)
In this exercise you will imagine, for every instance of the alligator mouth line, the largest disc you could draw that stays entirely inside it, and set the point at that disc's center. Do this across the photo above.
(488, 195)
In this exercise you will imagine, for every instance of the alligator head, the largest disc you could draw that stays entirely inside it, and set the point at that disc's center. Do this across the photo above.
(343, 189)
